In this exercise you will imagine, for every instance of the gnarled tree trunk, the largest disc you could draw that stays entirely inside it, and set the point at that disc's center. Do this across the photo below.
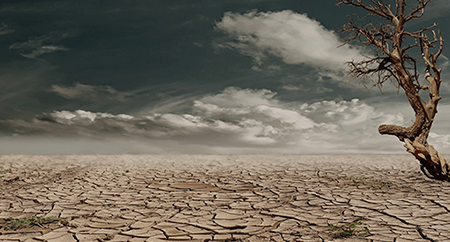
(392, 62)
(415, 137)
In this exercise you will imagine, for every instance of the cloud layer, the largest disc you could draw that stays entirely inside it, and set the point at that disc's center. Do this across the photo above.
(293, 37)
(232, 121)
(89, 92)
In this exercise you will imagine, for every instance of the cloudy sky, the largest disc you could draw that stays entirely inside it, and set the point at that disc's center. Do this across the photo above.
(194, 76)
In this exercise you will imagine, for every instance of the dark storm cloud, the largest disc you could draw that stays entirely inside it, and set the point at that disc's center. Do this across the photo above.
(157, 74)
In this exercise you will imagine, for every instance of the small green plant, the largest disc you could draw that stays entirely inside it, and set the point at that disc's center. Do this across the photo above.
(20, 223)
(374, 184)
(3, 171)
(348, 230)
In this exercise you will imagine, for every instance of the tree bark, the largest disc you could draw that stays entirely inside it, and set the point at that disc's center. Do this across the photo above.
(394, 63)
(433, 164)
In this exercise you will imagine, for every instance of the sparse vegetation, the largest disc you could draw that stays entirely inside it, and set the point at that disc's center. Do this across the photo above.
(373, 184)
(348, 230)
(3, 171)
(21, 223)
(357, 178)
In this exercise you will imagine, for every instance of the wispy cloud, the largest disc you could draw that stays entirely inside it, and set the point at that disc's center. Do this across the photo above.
(235, 120)
(90, 92)
(37, 46)
(44, 50)
(293, 37)
(300, 88)
(4, 29)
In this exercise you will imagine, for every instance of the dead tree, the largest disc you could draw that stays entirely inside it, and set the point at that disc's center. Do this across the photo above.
(394, 62)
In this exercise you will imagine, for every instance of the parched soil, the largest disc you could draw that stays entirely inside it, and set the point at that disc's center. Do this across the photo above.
(222, 198)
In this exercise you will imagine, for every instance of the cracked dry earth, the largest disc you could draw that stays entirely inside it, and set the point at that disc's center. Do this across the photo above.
(223, 198)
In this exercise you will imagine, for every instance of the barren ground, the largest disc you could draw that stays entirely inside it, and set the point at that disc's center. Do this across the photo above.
(222, 198)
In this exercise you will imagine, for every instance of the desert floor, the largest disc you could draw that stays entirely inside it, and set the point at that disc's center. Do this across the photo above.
(221, 198)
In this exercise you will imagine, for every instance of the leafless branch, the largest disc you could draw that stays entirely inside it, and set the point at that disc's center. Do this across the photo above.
(418, 11)
(393, 60)
(378, 8)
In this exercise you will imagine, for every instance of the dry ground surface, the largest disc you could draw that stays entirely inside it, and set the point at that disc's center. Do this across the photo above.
(221, 198)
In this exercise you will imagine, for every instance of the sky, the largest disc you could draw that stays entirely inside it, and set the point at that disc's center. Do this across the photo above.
(195, 76)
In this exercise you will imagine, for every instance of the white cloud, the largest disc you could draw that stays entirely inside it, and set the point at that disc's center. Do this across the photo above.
(293, 37)
(232, 97)
(349, 113)
(444, 62)
(293, 88)
(81, 117)
(89, 92)
(440, 141)
(350, 126)
(300, 88)
(235, 120)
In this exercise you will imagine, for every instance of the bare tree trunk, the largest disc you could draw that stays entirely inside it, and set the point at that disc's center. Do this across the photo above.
(393, 62)
(433, 164)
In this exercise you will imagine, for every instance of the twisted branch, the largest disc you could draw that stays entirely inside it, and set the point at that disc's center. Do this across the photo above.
(392, 61)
